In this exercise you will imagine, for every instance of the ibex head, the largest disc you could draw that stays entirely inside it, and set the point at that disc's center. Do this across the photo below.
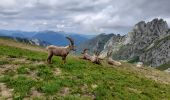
(72, 47)
(84, 51)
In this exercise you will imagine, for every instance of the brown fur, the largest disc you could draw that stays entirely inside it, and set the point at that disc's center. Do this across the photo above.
(60, 51)
(94, 59)
(111, 61)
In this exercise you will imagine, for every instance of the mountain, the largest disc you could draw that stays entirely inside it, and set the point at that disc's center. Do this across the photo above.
(79, 38)
(52, 37)
(96, 43)
(58, 38)
(147, 42)
(16, 33)
(27, 41)
(55, 38)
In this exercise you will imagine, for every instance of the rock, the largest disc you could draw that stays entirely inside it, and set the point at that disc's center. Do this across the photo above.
(167, 70)
(115, 43)
(139, 64)
(94, 86)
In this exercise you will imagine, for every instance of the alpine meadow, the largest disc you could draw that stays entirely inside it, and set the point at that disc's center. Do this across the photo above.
(84, 50)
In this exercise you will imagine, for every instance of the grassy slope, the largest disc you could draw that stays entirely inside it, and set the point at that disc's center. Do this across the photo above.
(23, 69)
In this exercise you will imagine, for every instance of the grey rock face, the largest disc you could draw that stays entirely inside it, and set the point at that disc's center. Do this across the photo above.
(96, 43)
(158, 54)
(114, 43)
(148, 41)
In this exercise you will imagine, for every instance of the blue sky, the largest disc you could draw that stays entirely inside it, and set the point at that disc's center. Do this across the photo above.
(80, 16)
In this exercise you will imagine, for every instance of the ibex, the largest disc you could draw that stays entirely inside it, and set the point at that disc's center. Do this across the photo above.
(94, 59)
(86, 56)
(60, 51)
(110, 60)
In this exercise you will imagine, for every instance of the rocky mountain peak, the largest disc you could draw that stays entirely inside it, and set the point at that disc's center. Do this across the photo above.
(147, 32)
(148, 42)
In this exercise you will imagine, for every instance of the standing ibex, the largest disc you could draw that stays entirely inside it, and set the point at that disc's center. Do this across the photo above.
(94, 59)
(60, 51)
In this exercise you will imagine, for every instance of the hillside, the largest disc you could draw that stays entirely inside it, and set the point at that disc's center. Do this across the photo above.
(25, 75)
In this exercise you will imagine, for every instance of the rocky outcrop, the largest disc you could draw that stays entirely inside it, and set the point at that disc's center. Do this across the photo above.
(147, 42)
(158, 53)
(114, 42)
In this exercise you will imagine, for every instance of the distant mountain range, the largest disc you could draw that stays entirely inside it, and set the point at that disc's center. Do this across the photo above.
(51, 37)
(27, 41)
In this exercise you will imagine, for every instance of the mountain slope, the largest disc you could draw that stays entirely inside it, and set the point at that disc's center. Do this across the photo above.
(147, 42)
(27, 41)
(97, 42)
(24, 74)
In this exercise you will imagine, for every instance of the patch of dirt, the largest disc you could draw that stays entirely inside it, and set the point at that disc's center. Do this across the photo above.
(5, 92)
(151, 73)
(57, 71)
(21, 61)
(89, 95)
(84, 88)
(39, 62)
(7, 67)
(33, 75)
(134, 90)
(34, 93)
(64, 91)
(94, 86)
(155, 75)
(16, 60)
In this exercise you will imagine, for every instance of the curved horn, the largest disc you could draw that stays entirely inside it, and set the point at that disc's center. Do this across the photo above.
(98, 53)
(84, 51)
(71, 40)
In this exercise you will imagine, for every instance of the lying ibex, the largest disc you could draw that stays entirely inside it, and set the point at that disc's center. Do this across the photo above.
(110, 60)
(94, 59)
(86, 56)
(60, 51)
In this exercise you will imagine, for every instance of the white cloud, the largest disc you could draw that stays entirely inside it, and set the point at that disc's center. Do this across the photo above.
(8, 3)
(88, 16)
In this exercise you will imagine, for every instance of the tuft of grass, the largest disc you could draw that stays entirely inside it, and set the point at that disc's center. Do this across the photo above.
(3, 62)
(20, 84)
(22, 70)
(50, 87)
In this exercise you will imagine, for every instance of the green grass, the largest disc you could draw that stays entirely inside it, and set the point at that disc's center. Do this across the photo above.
(79, 76)
(2, 62)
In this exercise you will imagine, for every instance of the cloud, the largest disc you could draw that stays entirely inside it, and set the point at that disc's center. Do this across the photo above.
(88, 16)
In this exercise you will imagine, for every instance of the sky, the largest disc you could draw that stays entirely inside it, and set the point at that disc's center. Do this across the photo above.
(80, 16)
